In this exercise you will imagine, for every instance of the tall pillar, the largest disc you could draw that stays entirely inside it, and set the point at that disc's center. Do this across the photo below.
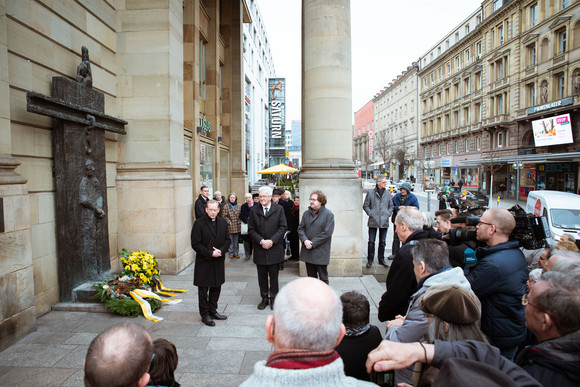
(326, 124)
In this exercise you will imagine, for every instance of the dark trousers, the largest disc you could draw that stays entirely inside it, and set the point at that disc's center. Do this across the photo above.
(294, 244)
(382, 243)
(208, 298)
(247, 245)
(317, 271)
(266, 272)
(396, 241)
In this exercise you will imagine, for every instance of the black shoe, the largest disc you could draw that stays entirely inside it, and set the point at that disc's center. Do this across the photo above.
(272, 303)
(392, 256)
(208, 321)
(383, 263)
(217, 316)
(263, 304)
(369, 264)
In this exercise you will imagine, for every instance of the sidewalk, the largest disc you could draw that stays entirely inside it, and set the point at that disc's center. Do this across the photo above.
(223, 355)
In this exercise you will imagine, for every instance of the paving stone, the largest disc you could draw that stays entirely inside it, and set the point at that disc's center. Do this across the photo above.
(254, 320)
(209, 380)
(34, 355)
(81, 339)
(210, 362)
(75, 358)
(43, 337)
(26, 376)
(250, 360)
(4, 370)
(232, 331)
(184, 342)
(174, 329)
(76, 379)
(238, 344)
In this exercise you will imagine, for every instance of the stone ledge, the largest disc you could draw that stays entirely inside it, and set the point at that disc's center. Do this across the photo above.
(80, 307)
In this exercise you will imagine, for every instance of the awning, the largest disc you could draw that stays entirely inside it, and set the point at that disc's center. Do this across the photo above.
(376, 164)
(532, 158)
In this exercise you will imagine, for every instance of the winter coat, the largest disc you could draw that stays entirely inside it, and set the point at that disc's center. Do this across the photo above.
(233, 218)
(318, 229)
(378, 208)
(554, 362)
(200, 204)
(411, 201)
(353, 351)
(499, 281)
(209, 271)
(401, 281)
(271, 227)
(245, 212)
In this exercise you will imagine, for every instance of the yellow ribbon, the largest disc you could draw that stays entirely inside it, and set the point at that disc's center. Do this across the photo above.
(160, 285)
(145, 306)
(146, 293)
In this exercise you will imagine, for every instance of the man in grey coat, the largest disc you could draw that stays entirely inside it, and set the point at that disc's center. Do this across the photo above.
(315, 233)
(379, 207)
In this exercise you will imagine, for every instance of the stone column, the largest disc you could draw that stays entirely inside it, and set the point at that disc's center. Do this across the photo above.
(326, 124)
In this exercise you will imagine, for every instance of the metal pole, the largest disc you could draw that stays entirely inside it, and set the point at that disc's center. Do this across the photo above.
(518, 184)
(429, 201)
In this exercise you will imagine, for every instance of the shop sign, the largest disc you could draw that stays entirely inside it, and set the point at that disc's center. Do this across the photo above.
(205, 125)
(446, 162)
(552, 105)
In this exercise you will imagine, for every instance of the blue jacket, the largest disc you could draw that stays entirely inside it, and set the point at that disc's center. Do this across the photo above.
(499, 281)
(410, 202)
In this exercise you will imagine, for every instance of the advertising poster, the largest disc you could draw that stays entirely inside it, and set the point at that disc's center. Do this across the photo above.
(553, 130)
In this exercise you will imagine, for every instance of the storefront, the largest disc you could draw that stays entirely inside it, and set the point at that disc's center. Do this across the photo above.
(206, 166)
(558, 177)
(469, 176)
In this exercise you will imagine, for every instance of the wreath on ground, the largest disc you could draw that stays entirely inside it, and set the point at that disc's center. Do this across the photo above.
(116, 295)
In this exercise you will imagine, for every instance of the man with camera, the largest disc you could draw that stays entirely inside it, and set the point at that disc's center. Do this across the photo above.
(499, 278)
(445, 225)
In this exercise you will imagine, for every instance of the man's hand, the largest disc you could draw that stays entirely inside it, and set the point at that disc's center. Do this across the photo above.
(216, 253)
(397, 322)
(267, 244)
(390, 355)
(308, 244)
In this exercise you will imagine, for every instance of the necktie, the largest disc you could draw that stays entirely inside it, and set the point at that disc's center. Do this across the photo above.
(266, 211)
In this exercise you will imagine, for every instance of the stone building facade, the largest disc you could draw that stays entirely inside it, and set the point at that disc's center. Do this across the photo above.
(174, 71)
(396, 126)
(363, 139)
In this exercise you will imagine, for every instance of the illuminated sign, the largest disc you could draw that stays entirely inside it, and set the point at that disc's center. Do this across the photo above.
(277, 118)
(553, 130)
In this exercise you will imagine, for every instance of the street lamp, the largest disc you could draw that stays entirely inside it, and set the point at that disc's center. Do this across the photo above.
(517, 165)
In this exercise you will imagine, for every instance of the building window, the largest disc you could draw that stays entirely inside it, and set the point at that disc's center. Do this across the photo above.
(532, 54)
(561, 85)
(499, 139)
(562, 41)
(440, 149)
(531, 94)
(448, 148)
(432, 78)
(440, 73)
(500, 35)
(456, 146)
(448, 68)
(456, 37)
(497, 4)
(466, 116)
(466, 86)
(457, 63)
(478, 20)
(478, 143)
(533, 15)
(478, 112)
(439, 51)
(447, 44)
(500, 104)
(467, 56)
(202, 79)
(466, 145)
(467, 29)
(478, 49)
(564, 4)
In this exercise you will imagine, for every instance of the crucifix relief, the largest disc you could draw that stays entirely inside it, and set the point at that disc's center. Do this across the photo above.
(79, 123)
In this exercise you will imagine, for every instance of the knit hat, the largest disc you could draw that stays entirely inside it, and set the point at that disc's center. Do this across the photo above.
(406, 186)
(465, 372)
(451, 303)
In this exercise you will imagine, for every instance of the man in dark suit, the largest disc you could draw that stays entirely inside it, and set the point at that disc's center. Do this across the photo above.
(201, 202)
(208, 232)
(266, 227)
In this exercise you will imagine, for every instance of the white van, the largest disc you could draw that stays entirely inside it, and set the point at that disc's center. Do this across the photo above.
(561, 209)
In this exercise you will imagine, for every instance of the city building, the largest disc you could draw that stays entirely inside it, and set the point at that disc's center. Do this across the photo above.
(396, 139)
(294, 143)
(258, 68)
(363, 138)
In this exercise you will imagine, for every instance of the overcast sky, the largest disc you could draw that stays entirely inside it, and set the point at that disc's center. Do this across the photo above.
(387, 36)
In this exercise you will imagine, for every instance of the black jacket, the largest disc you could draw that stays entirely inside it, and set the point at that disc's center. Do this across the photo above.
(354, 351)
(401, 281)
(209, 271)
(271, 227)
(200, 205)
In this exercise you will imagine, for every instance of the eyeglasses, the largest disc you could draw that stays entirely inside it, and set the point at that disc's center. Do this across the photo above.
(526, 302)
(489, 224)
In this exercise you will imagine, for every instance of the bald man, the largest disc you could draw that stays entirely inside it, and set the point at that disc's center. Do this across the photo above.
(499, 280)
(305, 329)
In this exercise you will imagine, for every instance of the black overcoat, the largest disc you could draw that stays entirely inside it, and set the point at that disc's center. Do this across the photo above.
(271, 227)
(209, 271)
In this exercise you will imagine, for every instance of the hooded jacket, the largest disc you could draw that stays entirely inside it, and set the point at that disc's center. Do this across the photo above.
(499, 281)
(554, 362)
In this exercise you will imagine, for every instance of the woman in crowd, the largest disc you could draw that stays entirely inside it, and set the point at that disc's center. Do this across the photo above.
(244, 213)
(231, 212)
(217, 196)
(163, 364)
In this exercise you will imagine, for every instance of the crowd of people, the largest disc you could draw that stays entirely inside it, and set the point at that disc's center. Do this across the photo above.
(480, 311)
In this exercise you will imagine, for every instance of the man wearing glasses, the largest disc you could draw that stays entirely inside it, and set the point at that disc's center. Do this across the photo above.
(499, 280)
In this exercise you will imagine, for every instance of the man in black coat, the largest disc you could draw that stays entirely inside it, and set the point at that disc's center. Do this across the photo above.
(210, 240)
(266, 227)
(201, 202)
(401, 280)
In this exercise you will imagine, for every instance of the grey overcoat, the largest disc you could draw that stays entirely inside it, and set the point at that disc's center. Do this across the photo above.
(378, 209)
(319, 231)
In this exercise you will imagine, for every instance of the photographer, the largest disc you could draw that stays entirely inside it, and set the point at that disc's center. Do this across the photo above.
(456, 249)
(499, 280)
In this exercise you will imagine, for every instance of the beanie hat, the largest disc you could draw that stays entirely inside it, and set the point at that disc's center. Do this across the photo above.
(406, 186)
(451, 303)
(465, 372)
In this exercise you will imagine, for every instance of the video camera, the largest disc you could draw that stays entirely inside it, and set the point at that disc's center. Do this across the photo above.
(531, 231)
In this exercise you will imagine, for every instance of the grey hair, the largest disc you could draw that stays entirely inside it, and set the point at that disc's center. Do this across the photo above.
(299, 326)
(433, 252)
(561, 300)
(427, 219)
(535, 275)
(266, 189)
(411, 217)
(248, 195)
(567, 280)
(381, 178)
(564, 253)
(217, 193)
(566, 264)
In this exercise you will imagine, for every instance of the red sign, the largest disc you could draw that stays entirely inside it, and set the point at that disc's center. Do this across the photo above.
(538, 208)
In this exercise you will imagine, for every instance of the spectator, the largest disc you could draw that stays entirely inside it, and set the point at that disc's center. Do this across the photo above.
(378, 205)
(119, 356)
(361, 337)
(201, 202)
(163, 364)
(566, 265)
(566, 245)
(557, 255)
(499, 280)
(217, 196)
(431, 267)
(244, 214)
(305, 329)
(401, 281)
(553, 315)
(568, 237)
(544, 256)
(456, 251)
(533, 277)
(401, 199)
(231, 213)
(293, 228)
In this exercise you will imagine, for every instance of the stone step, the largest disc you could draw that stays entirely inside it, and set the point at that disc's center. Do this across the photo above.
(90, 307)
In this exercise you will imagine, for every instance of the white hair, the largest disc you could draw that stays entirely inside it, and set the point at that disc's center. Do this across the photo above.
(411, 217)
(535, 274)
(248, 195)
(266, 189)
(217, 193)
(307, 319)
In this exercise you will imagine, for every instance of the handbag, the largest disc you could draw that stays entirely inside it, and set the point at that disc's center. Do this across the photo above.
(244, 229)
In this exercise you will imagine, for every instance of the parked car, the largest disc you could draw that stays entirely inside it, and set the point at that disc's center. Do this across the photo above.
(369, 184)
(479, 198)
(562, 212)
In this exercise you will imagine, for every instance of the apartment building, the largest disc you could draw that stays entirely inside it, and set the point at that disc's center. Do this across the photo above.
(363, 139)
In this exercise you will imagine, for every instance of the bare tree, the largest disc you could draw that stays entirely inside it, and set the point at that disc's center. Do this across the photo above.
(383, 146)
(492, 166)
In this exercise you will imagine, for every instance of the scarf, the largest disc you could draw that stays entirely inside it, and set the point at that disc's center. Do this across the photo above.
(381, 191)
(295, 209)
(403, 199)
(233, 205)
(357, 331)
(291, 359)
